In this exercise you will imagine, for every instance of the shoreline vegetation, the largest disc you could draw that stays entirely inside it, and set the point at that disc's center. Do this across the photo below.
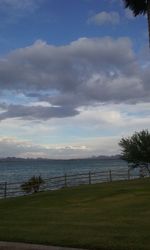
(101, 216)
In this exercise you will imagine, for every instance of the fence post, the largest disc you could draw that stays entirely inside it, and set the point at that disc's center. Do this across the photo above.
(5, 189)
(110, 176)
(90, 178)
(65, 180)
(128, 174)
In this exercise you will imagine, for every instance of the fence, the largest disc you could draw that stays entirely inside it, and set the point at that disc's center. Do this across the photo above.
(70, 180)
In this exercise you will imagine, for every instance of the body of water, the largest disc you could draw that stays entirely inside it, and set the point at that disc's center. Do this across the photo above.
(18, 171)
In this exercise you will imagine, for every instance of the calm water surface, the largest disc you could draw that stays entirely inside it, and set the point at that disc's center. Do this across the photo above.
(22, 170)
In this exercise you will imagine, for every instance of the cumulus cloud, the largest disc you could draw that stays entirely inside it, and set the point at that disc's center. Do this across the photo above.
(104, 17)
(83, 73)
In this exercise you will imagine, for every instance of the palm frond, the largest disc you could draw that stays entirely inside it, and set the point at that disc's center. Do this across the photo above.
(137, 6)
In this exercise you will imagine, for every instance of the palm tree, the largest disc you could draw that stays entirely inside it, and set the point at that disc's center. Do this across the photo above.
(139, 7)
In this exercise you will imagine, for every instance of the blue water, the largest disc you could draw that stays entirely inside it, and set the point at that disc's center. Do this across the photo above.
(19, 171)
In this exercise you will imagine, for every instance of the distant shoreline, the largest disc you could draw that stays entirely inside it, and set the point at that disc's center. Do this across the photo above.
(101, 157)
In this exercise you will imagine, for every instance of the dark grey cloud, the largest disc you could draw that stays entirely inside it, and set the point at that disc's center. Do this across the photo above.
(35, 112)
(85, 72)
(42, 66)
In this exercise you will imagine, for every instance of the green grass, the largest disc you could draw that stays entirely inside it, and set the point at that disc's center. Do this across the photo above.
(114, 216)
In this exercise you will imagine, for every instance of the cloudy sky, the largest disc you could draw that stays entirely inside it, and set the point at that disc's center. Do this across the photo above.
(74, 77)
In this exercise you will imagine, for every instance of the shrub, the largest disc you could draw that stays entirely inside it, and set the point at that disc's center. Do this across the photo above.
(32, 185)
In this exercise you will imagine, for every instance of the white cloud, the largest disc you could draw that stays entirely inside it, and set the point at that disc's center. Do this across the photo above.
(19, 148)
(12, 147)
(104, 17)
(96, 130)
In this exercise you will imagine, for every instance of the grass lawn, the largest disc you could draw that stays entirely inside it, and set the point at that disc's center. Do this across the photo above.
(114, 216)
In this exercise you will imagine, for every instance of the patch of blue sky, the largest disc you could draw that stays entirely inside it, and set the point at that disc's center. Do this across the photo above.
(16, 97)
(139, 114)
(60, 22)
(12, 97)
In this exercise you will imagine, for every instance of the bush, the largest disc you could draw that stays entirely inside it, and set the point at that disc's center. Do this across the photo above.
(32, 185)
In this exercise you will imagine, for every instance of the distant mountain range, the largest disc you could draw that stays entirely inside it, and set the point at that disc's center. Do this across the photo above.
(103, 157)
(100, 157)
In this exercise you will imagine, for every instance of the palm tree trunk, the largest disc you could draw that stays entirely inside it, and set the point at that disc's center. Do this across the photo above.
(148, 18)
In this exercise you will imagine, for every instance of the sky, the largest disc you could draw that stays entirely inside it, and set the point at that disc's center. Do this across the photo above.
(74, 77)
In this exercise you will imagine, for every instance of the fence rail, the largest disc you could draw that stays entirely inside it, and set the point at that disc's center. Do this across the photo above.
(70, 180)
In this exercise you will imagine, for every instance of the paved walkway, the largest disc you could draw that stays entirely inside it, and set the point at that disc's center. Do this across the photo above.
(25, 246)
